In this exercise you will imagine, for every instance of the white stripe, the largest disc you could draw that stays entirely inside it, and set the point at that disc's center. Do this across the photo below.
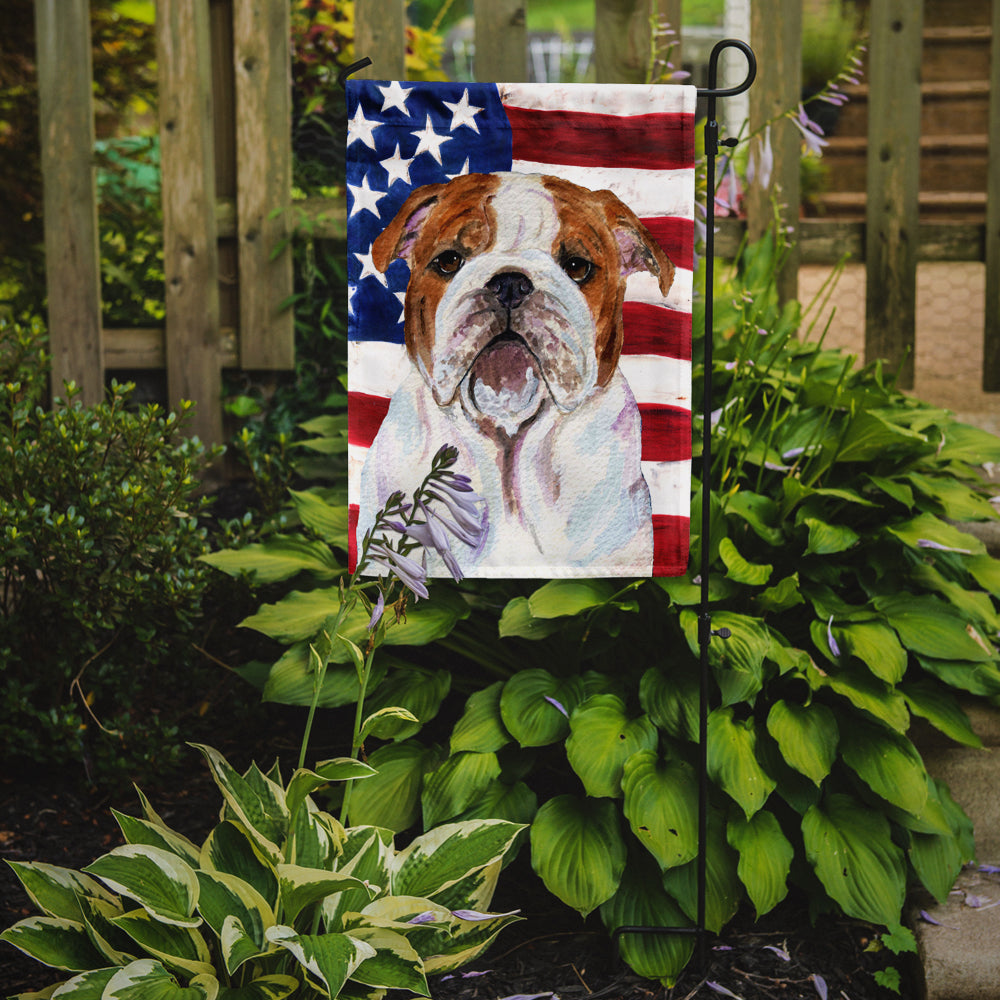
(642, 287)
(376, 367)
(664, 381)
(356, 455)
(638, 99)
(669, 486)
(646, 192)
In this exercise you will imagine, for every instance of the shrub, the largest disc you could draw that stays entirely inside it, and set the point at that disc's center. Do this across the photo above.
(280, 899)
(854, 602)
(99, 539)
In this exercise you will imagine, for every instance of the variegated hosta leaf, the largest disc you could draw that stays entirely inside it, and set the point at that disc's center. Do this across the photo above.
(329, 959)
(116, 946)
(475, 891)
(850, 847)
(765, 858)
(661, 800)
(56, 891)
(642, 902)
(807, 736)
(54, 941)
(602, 737)
(315, 838)
(468, 939)
(578, 851)
(87, 986)
(256, 801)
(304, 782)
(147, 979)
(275, 987)
(535, 706)
(141, 831)
(177, 947)
(367, 853)
(441, 857)
(225, 897)
(300, 887)
(481, 727)
(456, 784)
(395, 964)
(230, 849)
(732, 760)
(723, 889)
(158, 880)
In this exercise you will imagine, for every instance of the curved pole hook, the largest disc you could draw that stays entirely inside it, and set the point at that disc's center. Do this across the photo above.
(348, 70)
(712, 90)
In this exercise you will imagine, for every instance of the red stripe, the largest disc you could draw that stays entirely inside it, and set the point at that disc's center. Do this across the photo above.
(353, 515)
(364, 417)
(666, 433)
(651, 329)
(676, 236)
(584, 139)
(671, 534)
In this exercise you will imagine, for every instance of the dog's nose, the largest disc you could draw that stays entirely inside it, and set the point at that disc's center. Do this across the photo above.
(510, 287)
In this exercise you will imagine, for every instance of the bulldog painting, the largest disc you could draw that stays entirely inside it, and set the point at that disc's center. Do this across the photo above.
(513, 328)
(520, 275)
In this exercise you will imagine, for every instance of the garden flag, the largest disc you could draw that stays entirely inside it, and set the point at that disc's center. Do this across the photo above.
(520, 281)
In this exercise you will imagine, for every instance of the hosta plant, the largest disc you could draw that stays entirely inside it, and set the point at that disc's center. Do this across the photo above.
(279, 900)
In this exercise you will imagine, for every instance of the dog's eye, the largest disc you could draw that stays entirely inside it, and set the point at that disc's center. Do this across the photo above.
(579, 269)
(447, 263)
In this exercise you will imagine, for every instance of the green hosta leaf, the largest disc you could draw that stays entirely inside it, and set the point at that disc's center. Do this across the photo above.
(928, 528)
(395, 964)
(888, 763)
(391, 798)
(893, 488)
(937, 858)
(180, 948)
(301, 887)
(876, 646)
(535, 706)
(225, 897)
(850, 848)
(976, 678)
(641, 901)
(738, 661)
(56, 891)
(385, 723)
(558, 598)
(671, 700)
(330, 959)
(147, 979)
(456, 784)
(230, 849)
(976, 605)
(578, 851)
(965, 443)
(441, 857)
(758, 511)
(866, 692)
(415, 689)
(957, 501)
(752, 574)
(602, 738)
(941, 709)
(516, 803)
(723, 889)
(517, 620)
(279, 558)
(931, 628)
(765, 858)
(481, 728)
(827, 539)
(275, 987)
(327, 520)
(141, 831)
(54, 941)
(260, 809)
(986, 571)
(732, 760)
(870, 436)
(807, 736)
(661, 799)
(159, 881)
(292, 680)
(783, 595)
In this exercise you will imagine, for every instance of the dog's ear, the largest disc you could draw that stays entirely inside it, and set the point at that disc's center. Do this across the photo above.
(639, 251)
(400, 236)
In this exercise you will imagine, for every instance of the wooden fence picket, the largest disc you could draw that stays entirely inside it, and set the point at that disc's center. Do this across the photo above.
(991, 331)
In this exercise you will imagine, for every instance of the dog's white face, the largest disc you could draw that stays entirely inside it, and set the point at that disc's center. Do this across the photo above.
(515, 292)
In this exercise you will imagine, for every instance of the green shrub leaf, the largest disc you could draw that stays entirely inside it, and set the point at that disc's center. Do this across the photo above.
(827, 539)
(671, 701)
(930, 627)
(888, 763)
(851, 850)
(481, 727)
(535, 706)
(741, 571)
(517, 620)
(928, 528)
(765, 858)
(732, 760)
(941, 709)
(279, 558)
(559, 598)
(601, 739)
(660, 805)
(807, 736)
(577, 850)
(391, 798)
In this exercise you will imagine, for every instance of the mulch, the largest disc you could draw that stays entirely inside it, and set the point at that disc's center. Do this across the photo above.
(551, 953)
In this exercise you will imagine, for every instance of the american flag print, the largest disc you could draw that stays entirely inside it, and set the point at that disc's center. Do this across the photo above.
(633, 140)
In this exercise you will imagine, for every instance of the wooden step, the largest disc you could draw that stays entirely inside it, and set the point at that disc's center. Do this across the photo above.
(947, 162)
(956, 53)
(944, 104)
(940, 13)
(958, 206)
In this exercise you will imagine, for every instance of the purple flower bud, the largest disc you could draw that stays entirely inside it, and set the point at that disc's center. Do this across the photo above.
(377, 612)
(834, 648)
(427, 917)
(820, 983)
(558, 705)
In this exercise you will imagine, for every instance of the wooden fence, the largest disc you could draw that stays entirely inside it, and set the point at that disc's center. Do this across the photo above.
(226, 160)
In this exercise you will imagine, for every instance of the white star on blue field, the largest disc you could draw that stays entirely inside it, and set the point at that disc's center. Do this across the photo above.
(401, 136)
